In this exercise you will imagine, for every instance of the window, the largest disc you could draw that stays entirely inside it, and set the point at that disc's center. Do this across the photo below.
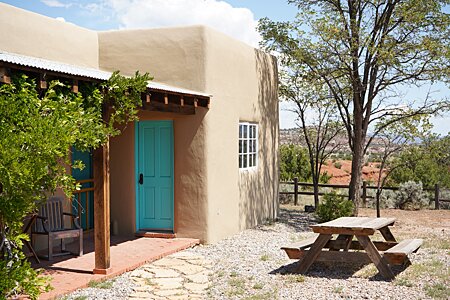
(248, 146)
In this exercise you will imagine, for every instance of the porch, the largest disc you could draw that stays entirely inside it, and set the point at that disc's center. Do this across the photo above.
(70, 273)
(93, 200)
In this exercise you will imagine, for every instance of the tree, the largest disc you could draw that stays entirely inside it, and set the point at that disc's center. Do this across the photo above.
(364, 51)
(36, 134)
(294, 163)
(394, 139)
(318, 121)
(427, 162)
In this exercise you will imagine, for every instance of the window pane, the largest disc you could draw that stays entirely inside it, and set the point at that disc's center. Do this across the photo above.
(248, 151)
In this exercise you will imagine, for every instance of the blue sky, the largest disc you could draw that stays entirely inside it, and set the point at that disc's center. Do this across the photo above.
(237, 18)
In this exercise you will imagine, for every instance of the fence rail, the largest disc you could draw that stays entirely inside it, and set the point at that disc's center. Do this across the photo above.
(365, 187)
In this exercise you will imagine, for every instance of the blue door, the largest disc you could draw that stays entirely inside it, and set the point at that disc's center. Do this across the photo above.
(83, 200)
(154, 172)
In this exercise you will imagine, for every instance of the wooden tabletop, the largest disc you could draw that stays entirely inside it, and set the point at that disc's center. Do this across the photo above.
(353, 225)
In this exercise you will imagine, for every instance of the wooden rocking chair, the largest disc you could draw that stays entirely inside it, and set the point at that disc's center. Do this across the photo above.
(50, 222)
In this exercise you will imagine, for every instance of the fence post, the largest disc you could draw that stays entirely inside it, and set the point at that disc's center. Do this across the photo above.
(436, 196)
(295, 190)
(364, 193)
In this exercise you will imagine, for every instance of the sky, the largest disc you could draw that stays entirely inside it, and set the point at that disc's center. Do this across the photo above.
(237, 18)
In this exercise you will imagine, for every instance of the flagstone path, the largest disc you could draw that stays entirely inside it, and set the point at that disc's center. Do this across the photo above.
(182, 275)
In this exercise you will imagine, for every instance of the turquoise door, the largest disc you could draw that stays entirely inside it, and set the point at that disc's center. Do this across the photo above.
(154, 172)
(83, 200)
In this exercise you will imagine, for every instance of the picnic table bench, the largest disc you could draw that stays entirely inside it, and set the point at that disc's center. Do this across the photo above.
(361, 250)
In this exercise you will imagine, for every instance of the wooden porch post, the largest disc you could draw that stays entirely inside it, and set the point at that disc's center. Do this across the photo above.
(101, 210)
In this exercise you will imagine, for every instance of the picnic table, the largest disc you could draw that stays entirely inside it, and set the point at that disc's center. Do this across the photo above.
(345, 249)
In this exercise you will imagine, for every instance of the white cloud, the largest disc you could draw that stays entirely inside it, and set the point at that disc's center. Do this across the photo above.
(236, 22)
(55, 3)
(60, 19)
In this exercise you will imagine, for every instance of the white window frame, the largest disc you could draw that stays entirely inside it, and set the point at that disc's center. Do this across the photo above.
(248, 146)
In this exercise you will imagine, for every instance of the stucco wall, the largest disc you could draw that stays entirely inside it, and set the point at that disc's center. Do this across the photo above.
(213, 198)
(31, 34)
(189, 179)
(172, 55)
(243, 81)
(189, 193)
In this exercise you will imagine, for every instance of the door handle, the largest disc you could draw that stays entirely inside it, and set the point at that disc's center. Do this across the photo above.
(141, 178)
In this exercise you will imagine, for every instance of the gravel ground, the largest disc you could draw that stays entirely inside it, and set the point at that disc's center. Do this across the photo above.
(250, 265)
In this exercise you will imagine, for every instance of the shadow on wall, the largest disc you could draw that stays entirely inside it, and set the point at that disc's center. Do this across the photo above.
(259, 190)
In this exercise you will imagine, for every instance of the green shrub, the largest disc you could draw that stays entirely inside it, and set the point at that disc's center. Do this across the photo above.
(334, 206)
(411, 196)
(338, 165)
(294, 162)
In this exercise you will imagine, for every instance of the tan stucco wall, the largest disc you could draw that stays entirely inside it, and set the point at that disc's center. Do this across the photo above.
(244, 84)
(31, 34)
(172, 55)
(213, 198)
(189, 179)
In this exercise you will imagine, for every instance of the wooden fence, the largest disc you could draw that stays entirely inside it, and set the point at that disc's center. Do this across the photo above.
(365, 187)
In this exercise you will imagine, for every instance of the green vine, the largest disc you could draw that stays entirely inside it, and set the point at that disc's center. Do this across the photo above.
(36, 134)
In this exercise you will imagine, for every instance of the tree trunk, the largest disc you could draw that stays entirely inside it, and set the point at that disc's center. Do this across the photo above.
(316, 192)
(378, 201)
(354, 193)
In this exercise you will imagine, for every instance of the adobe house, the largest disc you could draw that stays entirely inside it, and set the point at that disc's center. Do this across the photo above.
(202, 160)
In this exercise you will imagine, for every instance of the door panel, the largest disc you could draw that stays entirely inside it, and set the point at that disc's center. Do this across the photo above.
(155, 163)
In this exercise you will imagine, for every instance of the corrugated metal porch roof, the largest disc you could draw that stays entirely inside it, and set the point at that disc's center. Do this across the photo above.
(59, 67)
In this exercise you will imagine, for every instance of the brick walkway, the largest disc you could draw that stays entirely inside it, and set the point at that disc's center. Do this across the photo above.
(76, 272)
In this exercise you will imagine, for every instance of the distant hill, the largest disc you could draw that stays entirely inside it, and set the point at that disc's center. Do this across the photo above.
(340, 165)
(294, 136)
(341, 171)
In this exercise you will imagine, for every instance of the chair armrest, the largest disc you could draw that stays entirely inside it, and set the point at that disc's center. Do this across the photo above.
(44, 222)
(70, 215)
(75, 219)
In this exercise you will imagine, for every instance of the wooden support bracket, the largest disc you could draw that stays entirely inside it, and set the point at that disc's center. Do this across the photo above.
(195, 102)
(75, 86)
(5, 76)
(181, 101)
(166, 99)
(148, 98)
(42, 81)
